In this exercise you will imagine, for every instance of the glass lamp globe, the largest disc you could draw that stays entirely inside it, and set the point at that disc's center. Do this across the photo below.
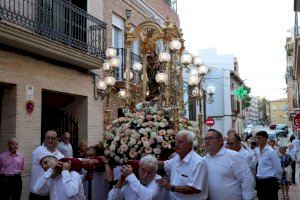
(198, 61)
(101, 85)
(164, 57)
(110, 81)
(131, 75)
(193, 80)
(161, 77)
(186, 59)
(114, 62)
(203, 70)
(194, 72)
(195, 92)
(175, 44)
(110, 52)
(122, 93)
(137, 66)
(106, 66)
(211, 89)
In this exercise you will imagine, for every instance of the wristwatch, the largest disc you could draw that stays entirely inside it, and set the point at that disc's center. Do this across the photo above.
(106, 163)
(172, 188)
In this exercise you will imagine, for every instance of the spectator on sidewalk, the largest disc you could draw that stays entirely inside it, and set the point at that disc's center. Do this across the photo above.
(292, 154)
(81, 149)
(187, 171)
(234, 143)
(48, 148)
(11, 167)
(229, 176)
(296, 147)
(64, 146)
(286, 175)
(268, 170)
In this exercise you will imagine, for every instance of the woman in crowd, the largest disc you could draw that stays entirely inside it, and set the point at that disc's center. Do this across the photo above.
(285, 180)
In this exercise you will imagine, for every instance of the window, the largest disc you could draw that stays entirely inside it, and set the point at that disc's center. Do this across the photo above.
(274, 119)
(274, 108)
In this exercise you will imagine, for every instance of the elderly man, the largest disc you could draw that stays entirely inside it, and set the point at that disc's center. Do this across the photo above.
(64, 146)
(186, 170)
(129, 187)
(229, 176)
(234, 143)
(268, 170)
(58, 180)
(48, 148)
(11, 167)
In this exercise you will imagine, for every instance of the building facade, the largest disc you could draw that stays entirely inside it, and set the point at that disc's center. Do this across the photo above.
(50, 51)
(252, 112)
(279, 112)
(226, 109)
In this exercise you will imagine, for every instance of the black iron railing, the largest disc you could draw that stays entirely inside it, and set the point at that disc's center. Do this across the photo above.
(58, 20)
(119, 73)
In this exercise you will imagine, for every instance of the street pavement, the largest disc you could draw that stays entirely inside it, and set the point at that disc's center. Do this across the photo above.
(294, 192)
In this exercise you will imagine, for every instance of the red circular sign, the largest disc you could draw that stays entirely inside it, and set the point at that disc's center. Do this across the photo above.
(297, 121)
(209, 121)
(29, 106)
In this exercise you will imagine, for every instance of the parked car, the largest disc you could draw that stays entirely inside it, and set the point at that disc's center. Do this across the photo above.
(273, 126)
(281, 130)
(271, 135)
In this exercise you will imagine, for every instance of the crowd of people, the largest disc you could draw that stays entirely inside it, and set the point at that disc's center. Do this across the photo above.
(231, 170)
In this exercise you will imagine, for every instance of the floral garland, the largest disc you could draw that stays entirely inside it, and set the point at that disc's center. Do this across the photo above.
(145, 132)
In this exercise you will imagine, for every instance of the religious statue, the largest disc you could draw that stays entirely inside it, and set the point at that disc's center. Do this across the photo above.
(152, 68)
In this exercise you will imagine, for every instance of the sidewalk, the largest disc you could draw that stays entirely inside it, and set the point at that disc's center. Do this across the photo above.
(294, 191)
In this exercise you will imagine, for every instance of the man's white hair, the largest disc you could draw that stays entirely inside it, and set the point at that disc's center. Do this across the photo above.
(150, 161)
(189, 135)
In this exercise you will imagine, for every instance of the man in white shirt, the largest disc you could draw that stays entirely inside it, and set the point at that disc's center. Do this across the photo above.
(48, 148)
(186, 170)
(229, 176)
(129, 187)
(292, 154)
(296, 147)
(59, 181)
(64, 146)
(269, 168)
(234, 143)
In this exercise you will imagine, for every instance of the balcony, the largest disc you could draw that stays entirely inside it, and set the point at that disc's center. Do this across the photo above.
(55, 29)
(119, 73)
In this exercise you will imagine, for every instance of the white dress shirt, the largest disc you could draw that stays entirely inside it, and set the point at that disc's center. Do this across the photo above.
(67, 185)
(250, 158)
(229, 176)
(269, 164)
(65, 149)
(190, 171)
(36, 169)
(134, 190)
(100, 186)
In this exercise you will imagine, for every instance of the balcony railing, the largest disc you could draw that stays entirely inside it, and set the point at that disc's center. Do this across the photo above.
(119, 73)
(58, 20)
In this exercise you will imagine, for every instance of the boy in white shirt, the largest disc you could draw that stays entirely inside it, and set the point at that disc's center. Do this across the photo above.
(59, 181)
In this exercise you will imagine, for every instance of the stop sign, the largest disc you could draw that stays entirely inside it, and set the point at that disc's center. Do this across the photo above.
(209, 121)
(297, 121)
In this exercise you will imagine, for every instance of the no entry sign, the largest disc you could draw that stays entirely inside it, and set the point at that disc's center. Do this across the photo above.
(209, 121)
(296, 121)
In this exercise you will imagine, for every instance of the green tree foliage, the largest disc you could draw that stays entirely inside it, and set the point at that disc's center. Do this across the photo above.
(246, 101)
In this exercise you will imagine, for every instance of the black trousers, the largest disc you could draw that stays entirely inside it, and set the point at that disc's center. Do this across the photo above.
(293, 171)
(267, 189)
(11, 187)
(33, 196)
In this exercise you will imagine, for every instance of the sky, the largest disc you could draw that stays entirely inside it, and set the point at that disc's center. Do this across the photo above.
(254, 31)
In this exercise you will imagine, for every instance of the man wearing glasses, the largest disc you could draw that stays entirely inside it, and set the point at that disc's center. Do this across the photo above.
(48, 148)
(234, 143)
(229, 176)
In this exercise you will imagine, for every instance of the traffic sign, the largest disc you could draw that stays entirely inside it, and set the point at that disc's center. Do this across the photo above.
(296, 121)
(209, 121)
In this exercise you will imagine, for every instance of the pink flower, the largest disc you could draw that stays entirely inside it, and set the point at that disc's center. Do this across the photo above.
(165, 144)
(162, 132)
(125, 127)
(151, 141)
(144, 139)
(109, 127)
(123, 148)
(148, 150)
(133, 153)
(159, 139)
(149, 117)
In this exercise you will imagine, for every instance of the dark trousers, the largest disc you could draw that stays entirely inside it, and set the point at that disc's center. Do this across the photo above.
(33, 196)
(267, 189)
(11, 187)
(293, 171)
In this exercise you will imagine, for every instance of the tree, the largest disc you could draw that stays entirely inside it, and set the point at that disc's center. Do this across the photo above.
(246, 101)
